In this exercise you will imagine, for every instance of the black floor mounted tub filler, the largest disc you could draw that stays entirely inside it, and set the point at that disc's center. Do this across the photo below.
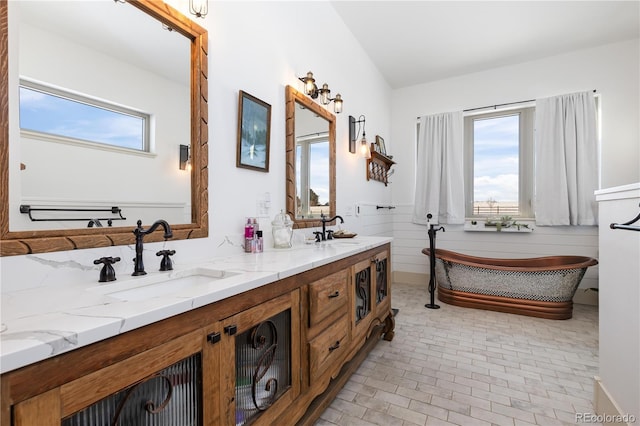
(432, 262)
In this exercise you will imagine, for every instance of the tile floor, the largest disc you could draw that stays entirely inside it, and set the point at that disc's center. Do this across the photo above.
(461, 366)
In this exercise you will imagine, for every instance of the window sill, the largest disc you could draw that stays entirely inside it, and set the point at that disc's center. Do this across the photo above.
(478, 225)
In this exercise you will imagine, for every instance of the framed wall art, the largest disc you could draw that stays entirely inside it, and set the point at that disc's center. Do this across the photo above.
(254, 129)
(380, 145)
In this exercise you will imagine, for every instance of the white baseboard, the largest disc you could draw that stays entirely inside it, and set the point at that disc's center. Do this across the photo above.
(606, 409)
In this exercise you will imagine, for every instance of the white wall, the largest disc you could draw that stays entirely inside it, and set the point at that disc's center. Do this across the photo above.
(258, 47)
(262, 52)
(619, 349)
(613, 70)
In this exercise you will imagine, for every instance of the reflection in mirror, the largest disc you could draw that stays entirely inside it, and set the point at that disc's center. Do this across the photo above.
(312, 164)
(310, 160)
(116, 60)
(112, 119)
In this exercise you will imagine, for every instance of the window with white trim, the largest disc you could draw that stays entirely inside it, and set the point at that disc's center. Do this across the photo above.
(312, 162)
(499, 163)
(56, 114)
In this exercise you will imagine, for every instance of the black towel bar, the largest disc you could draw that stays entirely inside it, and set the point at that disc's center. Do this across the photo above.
(27, 209)
(627, 225)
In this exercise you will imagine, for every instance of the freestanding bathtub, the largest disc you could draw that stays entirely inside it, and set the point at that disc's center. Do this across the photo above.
(540, 287)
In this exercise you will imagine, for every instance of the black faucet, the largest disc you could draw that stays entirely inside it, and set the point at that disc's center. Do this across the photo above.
(138, 267)
(327, 235)
(95, 222)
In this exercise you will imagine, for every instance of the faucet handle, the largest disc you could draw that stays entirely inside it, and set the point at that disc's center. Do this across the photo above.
(165, 263)
(318, 235)
(329, 234)
(107, 273)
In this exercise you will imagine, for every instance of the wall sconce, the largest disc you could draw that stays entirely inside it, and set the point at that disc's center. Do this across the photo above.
(199, 8)
(311, 90)
(185, 158)
(353, 137)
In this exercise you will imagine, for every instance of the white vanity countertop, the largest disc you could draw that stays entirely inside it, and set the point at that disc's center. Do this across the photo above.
(40, 323)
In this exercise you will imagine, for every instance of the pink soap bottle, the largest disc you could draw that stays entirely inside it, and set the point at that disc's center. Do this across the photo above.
(248, 236)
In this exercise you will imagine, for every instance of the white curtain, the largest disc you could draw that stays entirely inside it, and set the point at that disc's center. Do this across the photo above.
(440, 174)
(566, 160)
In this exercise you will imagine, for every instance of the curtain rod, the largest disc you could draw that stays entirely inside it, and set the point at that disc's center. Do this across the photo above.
(498, 105)
(501, 105)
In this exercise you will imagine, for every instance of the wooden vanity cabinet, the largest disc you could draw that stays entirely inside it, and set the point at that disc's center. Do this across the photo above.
(277, 354)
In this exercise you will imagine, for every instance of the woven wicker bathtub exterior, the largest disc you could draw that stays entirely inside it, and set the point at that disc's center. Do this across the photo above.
(542, 287)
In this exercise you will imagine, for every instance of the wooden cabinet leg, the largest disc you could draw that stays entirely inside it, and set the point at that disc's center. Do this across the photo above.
(389, 326)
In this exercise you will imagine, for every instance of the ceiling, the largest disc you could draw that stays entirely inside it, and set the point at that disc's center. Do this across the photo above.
(414, 42)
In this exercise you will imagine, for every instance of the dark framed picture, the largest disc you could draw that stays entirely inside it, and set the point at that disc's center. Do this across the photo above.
(380, 145)
(254, 129)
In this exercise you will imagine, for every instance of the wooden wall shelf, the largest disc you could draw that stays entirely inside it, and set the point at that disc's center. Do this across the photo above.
(378, 166)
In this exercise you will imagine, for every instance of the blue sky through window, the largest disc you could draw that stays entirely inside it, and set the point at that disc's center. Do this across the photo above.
(56, 115)
(496, 160)
(318, 170)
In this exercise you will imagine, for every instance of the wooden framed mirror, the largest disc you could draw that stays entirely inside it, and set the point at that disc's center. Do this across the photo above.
(27, 241)
(310, 160)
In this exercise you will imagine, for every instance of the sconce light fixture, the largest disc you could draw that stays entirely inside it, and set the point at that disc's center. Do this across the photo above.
(353, 136)
(199, 8)
(311, 90)
(185, 158)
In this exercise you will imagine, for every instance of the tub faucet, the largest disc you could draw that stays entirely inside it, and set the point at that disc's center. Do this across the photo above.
(328, 235)
(138, 267)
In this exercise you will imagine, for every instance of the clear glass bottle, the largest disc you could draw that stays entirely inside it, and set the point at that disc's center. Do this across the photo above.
(282, 228)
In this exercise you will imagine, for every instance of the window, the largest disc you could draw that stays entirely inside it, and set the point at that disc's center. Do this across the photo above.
(312, 161)
(499, 163)
(56, 114)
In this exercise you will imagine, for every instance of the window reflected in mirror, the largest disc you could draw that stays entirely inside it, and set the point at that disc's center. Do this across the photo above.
(312, 163)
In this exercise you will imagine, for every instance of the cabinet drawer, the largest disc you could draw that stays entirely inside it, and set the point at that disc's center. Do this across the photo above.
(327, 296)
(327, 348)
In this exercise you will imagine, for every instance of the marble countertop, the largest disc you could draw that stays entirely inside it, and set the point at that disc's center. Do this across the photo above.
(42, 322)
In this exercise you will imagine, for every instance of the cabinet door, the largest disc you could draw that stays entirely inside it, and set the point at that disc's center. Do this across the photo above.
(382, 274)
(261, 361)
(161, 386)
(361, 300)
(41, 410)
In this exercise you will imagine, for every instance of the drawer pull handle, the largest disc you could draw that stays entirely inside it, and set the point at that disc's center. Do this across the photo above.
(334, 347)
(334, 295)
(213, 338)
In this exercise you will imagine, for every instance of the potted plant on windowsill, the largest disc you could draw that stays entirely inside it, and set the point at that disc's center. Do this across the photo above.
(504, 222)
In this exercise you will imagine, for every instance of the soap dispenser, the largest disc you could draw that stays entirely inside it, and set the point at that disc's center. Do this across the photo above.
(282, 228)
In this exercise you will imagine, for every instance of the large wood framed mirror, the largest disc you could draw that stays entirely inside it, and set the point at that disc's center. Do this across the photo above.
(137, 179)
(311, 160)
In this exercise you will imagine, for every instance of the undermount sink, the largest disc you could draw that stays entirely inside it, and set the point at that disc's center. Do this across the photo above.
(158, 285)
